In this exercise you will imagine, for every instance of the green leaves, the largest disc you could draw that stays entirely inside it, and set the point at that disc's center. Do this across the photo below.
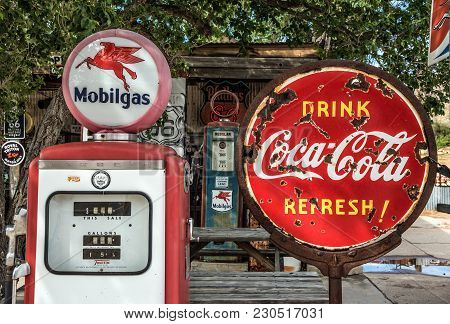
(391, 34)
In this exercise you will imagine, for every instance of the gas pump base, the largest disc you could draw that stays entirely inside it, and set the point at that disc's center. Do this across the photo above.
(107, 223)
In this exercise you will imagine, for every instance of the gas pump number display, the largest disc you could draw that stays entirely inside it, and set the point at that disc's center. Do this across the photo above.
(98, 233)
(222, 151)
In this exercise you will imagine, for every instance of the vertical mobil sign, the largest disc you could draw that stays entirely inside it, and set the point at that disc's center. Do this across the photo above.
(116, 80)
(336, 162)
(439, 31)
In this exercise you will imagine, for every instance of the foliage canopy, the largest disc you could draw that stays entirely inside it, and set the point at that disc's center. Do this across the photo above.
(390, 34)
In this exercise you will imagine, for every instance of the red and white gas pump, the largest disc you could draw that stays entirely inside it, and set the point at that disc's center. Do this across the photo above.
(107, 219)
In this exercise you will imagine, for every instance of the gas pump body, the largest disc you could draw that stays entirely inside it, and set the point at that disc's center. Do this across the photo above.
(221, 205)
(103, 226)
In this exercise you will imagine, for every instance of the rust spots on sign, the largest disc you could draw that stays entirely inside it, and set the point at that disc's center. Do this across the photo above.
(374, 228)
(358, 83)
(298, 222)
(274, 102)
(381, 162)
(421, 152)
(405, 186)
(397, 160)
(269, 201)
(328, 158)
(378, 142)
(358, 123)
(313, 223)
(315, 202)
(412, 191)
(283, 183)
(371, 214)
(351, 166)
(394, 217)
(298, 192)
(385, 90)
(371, 151)
(391, 151)
(274, 158)
(290, 168)
(408, 173)
(307, 119)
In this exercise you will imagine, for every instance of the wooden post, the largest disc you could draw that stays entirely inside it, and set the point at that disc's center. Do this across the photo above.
(277, 260)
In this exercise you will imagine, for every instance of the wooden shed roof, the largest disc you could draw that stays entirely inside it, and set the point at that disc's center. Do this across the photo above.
(262, 61)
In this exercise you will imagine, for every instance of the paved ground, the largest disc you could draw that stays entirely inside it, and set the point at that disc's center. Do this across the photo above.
(428, 237)
(390, 288)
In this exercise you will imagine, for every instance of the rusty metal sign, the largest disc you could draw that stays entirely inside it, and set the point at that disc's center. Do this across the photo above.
(335, 158)
(224, 104)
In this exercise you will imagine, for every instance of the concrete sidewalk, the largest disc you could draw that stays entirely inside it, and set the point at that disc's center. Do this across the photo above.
(393, 288)
(428, 237)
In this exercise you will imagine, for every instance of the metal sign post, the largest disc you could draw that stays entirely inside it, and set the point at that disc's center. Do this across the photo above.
(333, 160)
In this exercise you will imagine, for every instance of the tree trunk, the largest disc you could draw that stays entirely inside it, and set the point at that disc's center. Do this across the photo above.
(3, 238)
(45, 134)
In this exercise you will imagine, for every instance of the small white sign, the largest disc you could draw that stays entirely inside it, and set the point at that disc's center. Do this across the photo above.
(221, 182)
(222, 200)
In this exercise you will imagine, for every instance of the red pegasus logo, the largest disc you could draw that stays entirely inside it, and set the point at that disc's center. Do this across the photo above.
(225, 196)
(112, 57)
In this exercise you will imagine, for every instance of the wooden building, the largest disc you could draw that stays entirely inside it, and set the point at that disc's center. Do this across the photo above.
(216, 67)
(211, 68)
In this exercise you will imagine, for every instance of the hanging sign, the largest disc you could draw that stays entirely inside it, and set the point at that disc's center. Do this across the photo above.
(224, 104)
(439, 31)
(336, 155)
(116, 80)
(13, 153)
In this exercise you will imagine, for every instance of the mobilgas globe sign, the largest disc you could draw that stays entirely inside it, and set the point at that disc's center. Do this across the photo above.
(338, 155)
(116, 80)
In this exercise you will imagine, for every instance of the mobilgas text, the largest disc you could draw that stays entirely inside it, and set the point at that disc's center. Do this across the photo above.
(111, 96)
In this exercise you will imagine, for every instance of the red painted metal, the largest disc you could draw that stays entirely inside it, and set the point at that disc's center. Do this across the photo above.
(335, 243)
(336, 163)
(33, 181)
(176, 200)
(439, 31)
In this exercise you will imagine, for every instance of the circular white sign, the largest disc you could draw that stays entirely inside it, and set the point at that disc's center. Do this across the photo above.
(116, 80)
(101, 179)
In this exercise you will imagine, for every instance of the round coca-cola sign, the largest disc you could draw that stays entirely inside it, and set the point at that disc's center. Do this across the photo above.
(336, 155)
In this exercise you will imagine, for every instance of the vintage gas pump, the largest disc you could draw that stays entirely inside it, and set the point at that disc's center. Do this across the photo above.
(220, 188)
(107, 218)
